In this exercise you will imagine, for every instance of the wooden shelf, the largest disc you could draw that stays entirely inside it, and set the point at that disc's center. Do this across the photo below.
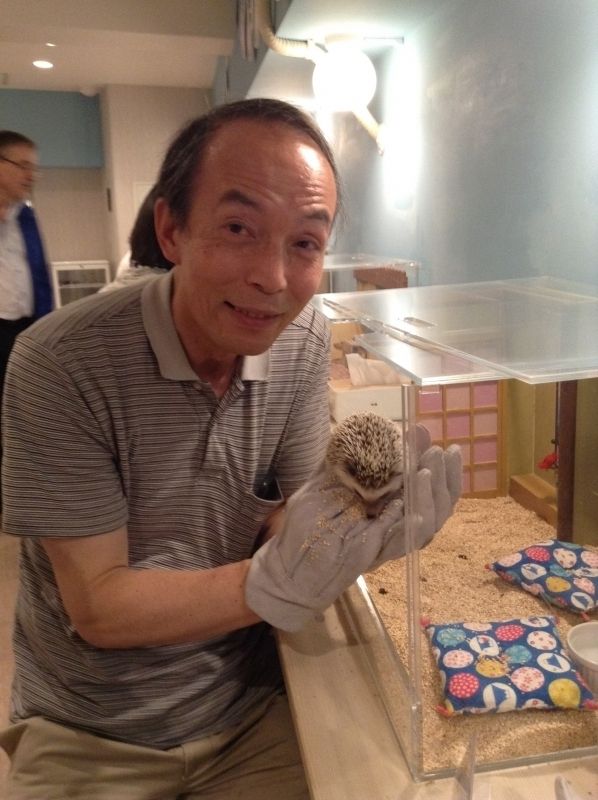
(537, 495)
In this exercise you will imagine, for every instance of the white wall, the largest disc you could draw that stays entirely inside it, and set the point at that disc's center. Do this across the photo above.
(71, 209)
(138, 123)
(508, 125)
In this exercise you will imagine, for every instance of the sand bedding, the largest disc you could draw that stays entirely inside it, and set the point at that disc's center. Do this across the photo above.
(455, 586)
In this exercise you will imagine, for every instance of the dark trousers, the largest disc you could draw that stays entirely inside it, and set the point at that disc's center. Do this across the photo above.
(9, 330)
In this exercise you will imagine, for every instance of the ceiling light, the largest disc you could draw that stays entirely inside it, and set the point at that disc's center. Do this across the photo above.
(344, 78)
(50, 44)
(43, 64)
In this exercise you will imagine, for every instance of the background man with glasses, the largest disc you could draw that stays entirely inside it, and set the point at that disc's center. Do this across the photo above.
(25, 291)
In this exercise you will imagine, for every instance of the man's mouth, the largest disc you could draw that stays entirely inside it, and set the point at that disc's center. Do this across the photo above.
(253, 313)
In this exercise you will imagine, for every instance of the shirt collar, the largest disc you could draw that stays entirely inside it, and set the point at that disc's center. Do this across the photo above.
(165, 342)
(14, 209)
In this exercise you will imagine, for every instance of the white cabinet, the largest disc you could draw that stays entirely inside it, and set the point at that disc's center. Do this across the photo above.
(72, 280)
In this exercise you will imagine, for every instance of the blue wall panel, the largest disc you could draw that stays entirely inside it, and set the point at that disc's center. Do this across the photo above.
(65, 125)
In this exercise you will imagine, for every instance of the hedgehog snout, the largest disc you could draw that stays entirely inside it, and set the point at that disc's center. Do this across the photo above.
(375, 507)
(372, 512)
(374, 501)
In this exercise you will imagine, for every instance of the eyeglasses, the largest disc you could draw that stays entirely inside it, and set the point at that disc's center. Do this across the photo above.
(24, 166)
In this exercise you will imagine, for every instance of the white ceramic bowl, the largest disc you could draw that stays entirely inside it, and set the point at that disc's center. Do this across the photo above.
(582, 643)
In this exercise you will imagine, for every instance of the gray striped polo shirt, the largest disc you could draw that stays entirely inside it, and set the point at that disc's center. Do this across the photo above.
(106, 424)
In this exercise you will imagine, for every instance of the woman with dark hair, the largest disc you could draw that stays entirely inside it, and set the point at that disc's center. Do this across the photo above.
(145, 259)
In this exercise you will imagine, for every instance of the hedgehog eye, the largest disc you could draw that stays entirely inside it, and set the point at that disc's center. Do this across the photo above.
(351, 470)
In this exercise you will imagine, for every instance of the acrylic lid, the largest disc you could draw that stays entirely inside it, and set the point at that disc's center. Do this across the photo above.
(538, 330)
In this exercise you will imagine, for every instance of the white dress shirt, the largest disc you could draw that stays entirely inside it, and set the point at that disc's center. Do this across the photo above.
(16, 285)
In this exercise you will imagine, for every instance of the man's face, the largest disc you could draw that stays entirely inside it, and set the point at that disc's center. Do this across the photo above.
(17, 174)
(251, 254)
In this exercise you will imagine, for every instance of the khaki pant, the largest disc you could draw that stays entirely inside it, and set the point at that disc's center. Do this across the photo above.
(257, 760)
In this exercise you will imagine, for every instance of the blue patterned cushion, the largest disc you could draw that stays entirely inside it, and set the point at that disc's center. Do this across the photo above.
(506, 665)
(566, 574)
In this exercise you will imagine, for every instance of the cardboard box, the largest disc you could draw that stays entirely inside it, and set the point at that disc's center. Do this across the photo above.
(346, 399)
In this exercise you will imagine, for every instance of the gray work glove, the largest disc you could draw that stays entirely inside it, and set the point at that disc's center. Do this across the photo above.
(438, 483)
(437, 489)
(327, 541)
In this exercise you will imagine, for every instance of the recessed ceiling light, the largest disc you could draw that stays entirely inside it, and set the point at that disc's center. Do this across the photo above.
(43, 64)
(50, 44)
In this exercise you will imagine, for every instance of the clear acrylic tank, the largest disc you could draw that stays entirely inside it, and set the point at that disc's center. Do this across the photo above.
(532, 330)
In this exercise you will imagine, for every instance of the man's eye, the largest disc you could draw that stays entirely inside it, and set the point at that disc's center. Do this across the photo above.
(308, 244)
(236, 227)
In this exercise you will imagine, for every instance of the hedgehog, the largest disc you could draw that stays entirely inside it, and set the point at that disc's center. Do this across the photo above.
(365, 455)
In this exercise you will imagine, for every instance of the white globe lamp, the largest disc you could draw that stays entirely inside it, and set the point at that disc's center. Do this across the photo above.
(344, 78)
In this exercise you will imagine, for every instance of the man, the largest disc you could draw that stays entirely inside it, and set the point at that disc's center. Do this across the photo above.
(25, 292)
(162, 425)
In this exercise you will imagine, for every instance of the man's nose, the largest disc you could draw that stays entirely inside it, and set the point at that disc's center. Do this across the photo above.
(268, 268)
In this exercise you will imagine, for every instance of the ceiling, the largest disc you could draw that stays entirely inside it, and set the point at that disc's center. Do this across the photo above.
(172, 42)
(99, 42)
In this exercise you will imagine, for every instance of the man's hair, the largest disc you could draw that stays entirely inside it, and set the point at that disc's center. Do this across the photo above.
(8, 138)
(145, 250)
(183, 159)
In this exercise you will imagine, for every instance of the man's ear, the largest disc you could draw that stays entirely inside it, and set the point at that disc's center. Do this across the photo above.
(167, 230)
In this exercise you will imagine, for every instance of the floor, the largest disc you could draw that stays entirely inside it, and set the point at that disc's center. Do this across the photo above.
(9, 549)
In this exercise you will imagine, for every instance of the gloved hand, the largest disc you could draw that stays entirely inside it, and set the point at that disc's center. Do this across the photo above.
(438, 483)
(437, 489)
(326, 543)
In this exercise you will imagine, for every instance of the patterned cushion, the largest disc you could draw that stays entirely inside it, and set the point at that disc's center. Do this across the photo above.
(566, 574)
(506, 665)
